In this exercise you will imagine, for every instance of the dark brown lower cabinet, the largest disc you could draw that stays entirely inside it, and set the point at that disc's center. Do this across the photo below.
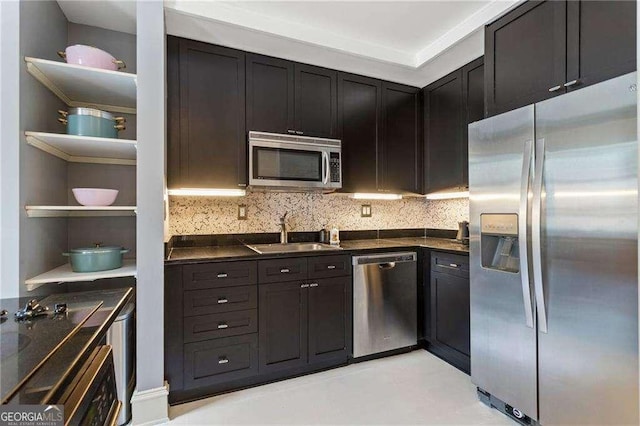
(449, 326)
(304, 323)
(329, 319)
(282, 326)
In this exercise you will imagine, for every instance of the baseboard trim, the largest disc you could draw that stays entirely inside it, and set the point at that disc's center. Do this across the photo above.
(150, 407)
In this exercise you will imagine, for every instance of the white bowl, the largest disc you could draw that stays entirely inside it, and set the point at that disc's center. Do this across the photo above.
(95, 196)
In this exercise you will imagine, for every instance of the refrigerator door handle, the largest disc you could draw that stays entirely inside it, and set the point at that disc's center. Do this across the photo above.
(536, 230)
(522, 232)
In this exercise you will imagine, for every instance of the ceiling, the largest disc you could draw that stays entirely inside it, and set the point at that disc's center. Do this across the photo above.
(412, 42)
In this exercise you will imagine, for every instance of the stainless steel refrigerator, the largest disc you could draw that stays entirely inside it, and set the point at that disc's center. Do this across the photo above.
(554, 258)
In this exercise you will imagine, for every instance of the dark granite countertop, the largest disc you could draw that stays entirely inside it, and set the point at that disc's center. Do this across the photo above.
(47, 382)
(185, 255)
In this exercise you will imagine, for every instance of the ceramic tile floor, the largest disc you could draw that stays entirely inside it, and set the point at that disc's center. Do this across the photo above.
(413, 388)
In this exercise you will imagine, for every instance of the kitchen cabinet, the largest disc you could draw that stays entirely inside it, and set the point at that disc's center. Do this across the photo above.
(206, 115)
(288, 97)
(270, 98)
(233, 324)
(449, 326)
(544, 48)
(316, 103)
(450, 104)
(304, 322)
(401, 147)
(360, 124)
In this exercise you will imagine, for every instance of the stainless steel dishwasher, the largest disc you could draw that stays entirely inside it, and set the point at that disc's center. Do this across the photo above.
(384, 302)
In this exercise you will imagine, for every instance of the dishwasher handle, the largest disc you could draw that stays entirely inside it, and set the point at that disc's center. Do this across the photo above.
(388, 265)
(385, 259)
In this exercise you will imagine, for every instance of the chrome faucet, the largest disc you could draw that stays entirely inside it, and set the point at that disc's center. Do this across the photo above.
(283, 229)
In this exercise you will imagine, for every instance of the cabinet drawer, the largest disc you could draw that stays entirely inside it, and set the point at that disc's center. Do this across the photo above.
(447, 263)
(223, 274)
(220, 325)
(329, 266)
(221, 360)
(225, 299)
(280, 270)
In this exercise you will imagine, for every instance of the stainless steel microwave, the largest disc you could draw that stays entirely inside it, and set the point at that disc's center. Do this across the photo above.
(294, 162)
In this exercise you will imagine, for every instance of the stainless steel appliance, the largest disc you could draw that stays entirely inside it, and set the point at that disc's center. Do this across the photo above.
(553, 242)
(294, 162)
(384, 302)
(121, 337)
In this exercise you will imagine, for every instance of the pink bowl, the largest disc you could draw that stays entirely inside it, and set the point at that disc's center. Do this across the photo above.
(90, 56)
(95, 196)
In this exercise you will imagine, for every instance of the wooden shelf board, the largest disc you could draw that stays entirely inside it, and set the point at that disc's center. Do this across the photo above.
(85, 149)
(64, 274)
(79, 211)
(79, 86)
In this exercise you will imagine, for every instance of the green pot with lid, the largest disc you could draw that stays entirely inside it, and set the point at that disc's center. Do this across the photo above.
(95, 259)
(91, 122)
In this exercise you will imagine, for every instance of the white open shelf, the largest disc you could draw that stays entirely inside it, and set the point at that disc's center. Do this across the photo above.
(85, 149)
(79, 211)
(64, 274)
(79, 86)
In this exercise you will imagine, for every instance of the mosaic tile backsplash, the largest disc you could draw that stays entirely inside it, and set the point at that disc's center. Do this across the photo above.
(309, 212)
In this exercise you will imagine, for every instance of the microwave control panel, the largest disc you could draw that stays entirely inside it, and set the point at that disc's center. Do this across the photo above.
(334, 166)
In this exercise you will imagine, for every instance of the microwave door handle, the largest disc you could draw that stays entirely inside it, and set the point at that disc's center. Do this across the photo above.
(325, 167)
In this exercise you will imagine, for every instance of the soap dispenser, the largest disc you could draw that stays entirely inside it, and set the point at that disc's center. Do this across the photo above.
(334, 236)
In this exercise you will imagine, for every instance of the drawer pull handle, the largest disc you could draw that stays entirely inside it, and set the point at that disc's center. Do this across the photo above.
(570, 83)
(554, 88)
(223, 360)
(313, 285)
(284, 271)
(223, 275)
(331, 267)
(223, 325)
(454, 265)
(304, 285)
(223, 300)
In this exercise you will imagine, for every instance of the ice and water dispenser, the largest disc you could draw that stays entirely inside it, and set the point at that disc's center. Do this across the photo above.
(499, 242)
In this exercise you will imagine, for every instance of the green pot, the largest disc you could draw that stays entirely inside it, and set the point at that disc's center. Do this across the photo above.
(95, 259)
(91, 122)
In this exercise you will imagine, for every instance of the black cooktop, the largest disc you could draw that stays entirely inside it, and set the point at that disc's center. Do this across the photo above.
(26, 344)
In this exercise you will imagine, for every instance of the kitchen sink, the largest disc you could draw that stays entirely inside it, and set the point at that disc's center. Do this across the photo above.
(290, 247)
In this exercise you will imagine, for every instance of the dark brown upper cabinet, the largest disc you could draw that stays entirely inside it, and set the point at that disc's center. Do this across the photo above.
(316, 101)
(206, 115)
(360, 123)
(601, 41)
(450, 104)
(270, 97)
(543, 49)
(401, 146)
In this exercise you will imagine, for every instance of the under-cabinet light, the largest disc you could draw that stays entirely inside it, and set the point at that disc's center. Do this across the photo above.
(375, 196)
(207, 192)
(447, 195)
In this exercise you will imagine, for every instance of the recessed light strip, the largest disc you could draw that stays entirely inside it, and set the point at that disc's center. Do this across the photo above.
(375, 196)
(447, 195)
(207, 192)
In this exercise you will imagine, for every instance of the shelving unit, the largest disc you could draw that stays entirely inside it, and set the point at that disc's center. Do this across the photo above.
(79, 211)
(85, 149)
(79, 86)
(64, 274)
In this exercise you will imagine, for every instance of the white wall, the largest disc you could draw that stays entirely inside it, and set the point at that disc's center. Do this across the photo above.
(150, 399)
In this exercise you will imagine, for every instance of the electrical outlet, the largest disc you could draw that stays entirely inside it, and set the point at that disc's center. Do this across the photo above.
(242, 212)
(365, 210)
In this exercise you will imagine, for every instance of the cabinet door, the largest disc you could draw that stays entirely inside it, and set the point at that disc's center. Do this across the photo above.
(444, 133)
(359, 118)
(401, 147)
(450, 311)
(269, 94)
(282, 326)
(473, 93)
(209, 149)
(525, 56)
(601, 41)
(329, 319)
(316, 101)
